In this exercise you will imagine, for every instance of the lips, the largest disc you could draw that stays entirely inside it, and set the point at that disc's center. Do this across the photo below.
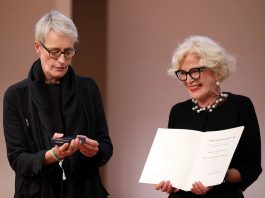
(60, 68)
(194, 88)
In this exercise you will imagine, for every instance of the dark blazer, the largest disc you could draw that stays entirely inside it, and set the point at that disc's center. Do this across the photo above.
(28, 132)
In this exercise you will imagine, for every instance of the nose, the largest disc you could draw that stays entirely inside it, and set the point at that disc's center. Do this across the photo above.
(189, 78)
(61, 58)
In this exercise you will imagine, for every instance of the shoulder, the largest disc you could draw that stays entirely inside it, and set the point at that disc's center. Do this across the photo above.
(17, 88)
(240, 103)
(88, 86)
(86, 81)
(239, 99)
(182, 106)
(16, 94)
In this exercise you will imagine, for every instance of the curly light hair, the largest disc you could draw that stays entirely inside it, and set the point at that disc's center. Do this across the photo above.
(211, 55)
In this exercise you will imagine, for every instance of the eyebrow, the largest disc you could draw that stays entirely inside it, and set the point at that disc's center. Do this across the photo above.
(58, 49)
(198, 67)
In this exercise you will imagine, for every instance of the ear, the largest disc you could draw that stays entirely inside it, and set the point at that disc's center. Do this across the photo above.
(217, 77)
(37, 46)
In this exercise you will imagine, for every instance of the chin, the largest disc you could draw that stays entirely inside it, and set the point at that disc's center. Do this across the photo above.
(194, 95)
(60, 74)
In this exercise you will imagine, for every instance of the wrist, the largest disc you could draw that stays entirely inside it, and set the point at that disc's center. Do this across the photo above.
(53, 154)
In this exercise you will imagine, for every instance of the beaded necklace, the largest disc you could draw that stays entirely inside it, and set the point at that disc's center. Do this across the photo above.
(221, 98)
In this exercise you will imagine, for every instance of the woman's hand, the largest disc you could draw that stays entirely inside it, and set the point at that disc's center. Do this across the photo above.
(66, 149)
(88, 147)
(199, 189)
(233, 175)
(166, 186)
(58, 153)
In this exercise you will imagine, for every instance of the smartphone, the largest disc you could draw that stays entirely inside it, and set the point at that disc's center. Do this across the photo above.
(67, 139)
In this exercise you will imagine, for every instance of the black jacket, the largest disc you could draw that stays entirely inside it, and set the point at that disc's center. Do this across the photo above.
(28, 131)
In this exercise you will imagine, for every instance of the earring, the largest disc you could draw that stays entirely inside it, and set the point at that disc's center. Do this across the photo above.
(217, 83)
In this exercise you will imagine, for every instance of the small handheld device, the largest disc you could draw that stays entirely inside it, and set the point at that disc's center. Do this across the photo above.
(67, 139)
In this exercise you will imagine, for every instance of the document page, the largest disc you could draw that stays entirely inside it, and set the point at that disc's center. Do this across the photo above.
(186, 156)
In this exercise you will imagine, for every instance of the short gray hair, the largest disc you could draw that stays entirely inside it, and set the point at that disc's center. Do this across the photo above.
(210, 53)
(58, 22)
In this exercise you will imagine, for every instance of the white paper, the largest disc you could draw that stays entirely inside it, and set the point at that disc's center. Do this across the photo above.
(187, 156)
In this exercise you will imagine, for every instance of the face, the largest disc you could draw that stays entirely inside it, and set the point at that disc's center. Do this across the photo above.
(204, 88)
(54, 69)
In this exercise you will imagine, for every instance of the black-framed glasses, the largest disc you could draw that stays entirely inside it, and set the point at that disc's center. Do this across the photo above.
(194, 73)
(56, 53)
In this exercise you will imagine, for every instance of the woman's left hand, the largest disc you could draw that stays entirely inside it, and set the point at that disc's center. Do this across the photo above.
(166, 186)
(88, 147)
(199, 189)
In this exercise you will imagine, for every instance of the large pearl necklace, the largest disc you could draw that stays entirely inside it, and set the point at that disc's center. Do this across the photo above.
(221, 98)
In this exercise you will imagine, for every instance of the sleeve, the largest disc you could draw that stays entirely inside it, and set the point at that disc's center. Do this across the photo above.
(101, 128)
(173, 117)
(179, 117)
(22, 159)
(170, 123)
(249, 146)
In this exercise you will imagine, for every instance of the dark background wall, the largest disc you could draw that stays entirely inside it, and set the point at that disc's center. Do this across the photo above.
(91, 19)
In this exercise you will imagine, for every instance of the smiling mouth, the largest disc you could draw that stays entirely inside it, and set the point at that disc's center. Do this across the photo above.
(195, 87)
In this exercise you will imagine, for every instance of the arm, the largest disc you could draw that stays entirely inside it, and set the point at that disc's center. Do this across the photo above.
(101, 137)
(248, 154)
(23, 156)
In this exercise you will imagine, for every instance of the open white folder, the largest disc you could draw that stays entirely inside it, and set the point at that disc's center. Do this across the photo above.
(187, 156)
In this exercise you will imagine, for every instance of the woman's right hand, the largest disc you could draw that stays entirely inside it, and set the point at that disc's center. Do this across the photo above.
(66, 149)
(57, 153)
(166, 186)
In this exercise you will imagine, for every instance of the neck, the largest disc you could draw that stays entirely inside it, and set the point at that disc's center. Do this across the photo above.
(52, 81)
(212, 103)
(209, 101)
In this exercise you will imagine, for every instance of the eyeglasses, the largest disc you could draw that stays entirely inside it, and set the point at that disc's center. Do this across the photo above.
(56, 53)
(194, 73)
